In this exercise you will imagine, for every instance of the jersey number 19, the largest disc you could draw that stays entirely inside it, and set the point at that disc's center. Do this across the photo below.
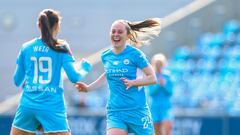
(38, 67)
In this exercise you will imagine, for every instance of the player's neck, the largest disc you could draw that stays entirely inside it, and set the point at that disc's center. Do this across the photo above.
(118, 50)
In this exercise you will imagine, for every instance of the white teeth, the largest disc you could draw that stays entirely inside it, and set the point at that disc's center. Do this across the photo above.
(116, 38)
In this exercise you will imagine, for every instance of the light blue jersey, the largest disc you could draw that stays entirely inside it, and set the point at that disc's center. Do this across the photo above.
(126, 109)
(42, 102)
(124, 64)
(161, 98)
(40, 68)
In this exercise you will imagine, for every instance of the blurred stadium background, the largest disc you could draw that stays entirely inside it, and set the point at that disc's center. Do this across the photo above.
(201, 39)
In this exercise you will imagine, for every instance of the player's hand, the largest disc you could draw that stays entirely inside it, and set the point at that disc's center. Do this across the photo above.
(86, 65)
(128, 83)
(82, 87)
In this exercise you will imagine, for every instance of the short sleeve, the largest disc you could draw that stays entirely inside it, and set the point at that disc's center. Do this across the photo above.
(102, 58)
(141, 59)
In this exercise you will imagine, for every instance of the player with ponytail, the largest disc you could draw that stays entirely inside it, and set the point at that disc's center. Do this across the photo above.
(39, 65)
(127, 109)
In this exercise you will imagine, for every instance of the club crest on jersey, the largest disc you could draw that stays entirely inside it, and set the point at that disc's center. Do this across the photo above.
(126, 61)
(115, 63)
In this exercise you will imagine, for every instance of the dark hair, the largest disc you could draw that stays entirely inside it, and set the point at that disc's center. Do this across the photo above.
(48, 19)
(140, 32)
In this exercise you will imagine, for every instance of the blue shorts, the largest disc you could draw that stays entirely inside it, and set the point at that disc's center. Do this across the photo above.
(29, 120)
(160, 115)
(134, 121)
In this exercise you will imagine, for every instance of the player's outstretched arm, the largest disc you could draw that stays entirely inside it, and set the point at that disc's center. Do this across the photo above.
(82, 87)
(74, 75)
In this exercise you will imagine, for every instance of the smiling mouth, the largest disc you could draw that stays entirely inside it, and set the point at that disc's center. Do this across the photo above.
(116, 39)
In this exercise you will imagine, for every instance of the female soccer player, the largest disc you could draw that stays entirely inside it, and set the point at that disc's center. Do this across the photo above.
(160, 94)
(39, 66)
(127, 110)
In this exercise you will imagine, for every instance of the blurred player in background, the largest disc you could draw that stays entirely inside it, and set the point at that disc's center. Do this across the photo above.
(160, 94)
(39, 66)
(127, 109)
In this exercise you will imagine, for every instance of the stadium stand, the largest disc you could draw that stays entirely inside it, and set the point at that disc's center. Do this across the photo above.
(207, 76)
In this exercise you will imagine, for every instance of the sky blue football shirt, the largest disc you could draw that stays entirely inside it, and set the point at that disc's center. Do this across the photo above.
(124, 64)
(41, 69)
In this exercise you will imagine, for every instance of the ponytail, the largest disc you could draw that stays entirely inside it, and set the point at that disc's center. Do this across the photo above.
(48, 19)
(141, 32)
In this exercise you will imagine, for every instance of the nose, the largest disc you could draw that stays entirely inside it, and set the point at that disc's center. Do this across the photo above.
(115, 34)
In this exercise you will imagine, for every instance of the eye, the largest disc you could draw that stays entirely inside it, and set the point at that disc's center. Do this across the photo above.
(113, 31)
(120, 32)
